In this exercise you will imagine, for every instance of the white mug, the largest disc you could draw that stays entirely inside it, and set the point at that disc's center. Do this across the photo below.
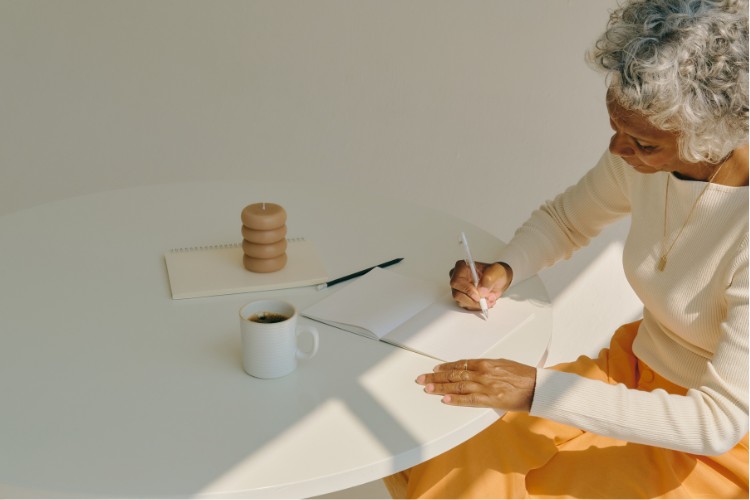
(269, 338)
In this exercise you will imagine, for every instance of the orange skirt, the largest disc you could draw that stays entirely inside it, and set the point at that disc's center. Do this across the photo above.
(521, 456)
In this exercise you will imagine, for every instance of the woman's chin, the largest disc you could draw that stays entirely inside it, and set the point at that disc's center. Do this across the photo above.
(644, 169)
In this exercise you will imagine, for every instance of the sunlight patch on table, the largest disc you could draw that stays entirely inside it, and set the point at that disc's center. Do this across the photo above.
(332, 420)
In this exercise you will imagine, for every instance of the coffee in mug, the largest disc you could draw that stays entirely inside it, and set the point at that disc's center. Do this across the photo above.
(268, 317)
(269, 333)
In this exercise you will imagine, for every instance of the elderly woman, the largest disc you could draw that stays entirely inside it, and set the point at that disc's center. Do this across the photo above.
(663, 412)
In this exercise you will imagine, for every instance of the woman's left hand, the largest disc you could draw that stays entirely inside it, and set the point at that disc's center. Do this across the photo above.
(491, 383)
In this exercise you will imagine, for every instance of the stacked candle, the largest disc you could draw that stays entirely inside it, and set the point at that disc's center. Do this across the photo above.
(264, 237)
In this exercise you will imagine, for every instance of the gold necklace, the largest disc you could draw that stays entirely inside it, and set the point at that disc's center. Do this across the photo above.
(664, 253)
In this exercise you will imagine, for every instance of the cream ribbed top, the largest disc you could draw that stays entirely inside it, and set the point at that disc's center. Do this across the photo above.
(695, 317)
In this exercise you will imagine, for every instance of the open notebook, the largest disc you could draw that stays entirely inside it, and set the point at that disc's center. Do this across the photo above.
(218, 270)
(415, 315)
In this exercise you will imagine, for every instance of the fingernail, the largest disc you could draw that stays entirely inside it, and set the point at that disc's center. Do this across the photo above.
(446, 398)
(429, 388)
(420, 379)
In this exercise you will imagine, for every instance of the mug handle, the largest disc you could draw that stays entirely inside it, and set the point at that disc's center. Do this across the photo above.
(314, 333)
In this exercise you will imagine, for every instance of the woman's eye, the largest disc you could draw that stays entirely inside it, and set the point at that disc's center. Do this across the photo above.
(645, 148)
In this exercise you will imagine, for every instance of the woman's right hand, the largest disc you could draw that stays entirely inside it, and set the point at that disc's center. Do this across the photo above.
(494, 279)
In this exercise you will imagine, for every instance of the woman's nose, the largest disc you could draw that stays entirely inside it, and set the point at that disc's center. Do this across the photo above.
(619, 145)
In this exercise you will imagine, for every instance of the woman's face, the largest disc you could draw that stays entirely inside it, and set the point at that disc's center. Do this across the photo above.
(644, 147)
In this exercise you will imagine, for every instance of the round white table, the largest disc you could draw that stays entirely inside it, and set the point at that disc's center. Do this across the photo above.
(108, 387)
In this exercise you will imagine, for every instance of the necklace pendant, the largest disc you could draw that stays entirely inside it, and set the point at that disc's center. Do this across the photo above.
(662, 263)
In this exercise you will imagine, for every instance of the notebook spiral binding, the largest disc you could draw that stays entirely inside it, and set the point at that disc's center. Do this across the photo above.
(220, 246)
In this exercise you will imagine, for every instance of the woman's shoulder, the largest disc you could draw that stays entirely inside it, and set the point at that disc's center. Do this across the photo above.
(613, 173)
(617, 168)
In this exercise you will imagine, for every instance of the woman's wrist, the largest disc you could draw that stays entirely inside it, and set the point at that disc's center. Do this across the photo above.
(508, 272)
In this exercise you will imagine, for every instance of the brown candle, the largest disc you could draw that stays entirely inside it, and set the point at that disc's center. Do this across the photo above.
(269, 236)
(264, 250)
(263, 216)
(264, 265)
(264, 237)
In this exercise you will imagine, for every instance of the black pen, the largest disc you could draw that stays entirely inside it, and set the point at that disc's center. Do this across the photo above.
(358, 273)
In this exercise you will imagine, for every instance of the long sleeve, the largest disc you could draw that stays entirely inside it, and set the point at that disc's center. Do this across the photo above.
(709, 420)
(694, 331)
(568, 222)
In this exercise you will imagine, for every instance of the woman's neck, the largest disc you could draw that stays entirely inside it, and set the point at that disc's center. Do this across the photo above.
(735, 172)
(731, 172)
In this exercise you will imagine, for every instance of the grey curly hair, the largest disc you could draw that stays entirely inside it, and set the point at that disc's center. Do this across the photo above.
(684, 65)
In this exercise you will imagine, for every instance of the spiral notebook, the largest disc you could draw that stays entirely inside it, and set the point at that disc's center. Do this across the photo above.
(218, 270)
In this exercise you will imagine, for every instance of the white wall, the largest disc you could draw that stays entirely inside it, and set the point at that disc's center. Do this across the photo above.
(482, 109)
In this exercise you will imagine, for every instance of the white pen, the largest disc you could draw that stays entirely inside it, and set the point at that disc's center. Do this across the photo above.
(470, 261)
